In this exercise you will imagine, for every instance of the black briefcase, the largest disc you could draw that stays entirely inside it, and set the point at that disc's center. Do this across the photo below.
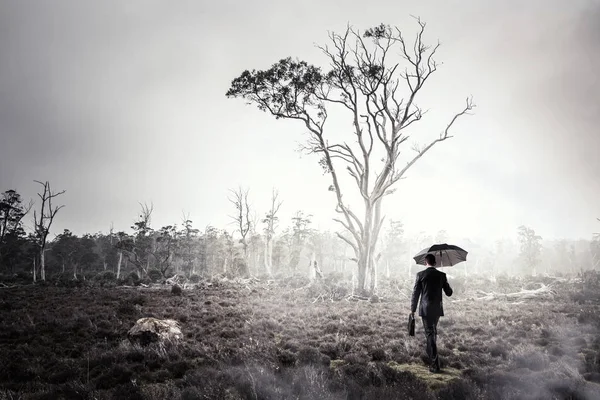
(411, 325)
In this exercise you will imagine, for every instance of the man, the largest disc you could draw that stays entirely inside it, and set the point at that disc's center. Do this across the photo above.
(429, 285)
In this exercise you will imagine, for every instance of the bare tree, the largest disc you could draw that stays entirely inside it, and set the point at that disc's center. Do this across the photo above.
(366, 82)
(42, 224)
(239, 198)
(139, 247)
(271, 222)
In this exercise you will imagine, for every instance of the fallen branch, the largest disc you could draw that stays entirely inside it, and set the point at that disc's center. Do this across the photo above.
(355, 297)
(524, 294)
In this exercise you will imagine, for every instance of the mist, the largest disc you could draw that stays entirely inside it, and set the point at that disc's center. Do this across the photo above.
(173, 225)
(125, 104)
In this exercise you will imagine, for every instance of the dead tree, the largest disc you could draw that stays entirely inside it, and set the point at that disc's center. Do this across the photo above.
(42, 223)
(271, 222)
(239, 198)
(366, 82)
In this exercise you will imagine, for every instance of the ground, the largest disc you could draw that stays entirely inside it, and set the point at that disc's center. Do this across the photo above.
(291, 339)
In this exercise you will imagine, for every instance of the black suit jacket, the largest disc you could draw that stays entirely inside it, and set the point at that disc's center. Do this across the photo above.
(429, 285)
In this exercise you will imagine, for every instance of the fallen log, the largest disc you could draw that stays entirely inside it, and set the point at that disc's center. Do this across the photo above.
(523, 294)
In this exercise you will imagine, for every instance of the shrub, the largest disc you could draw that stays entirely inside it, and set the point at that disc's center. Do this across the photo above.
(194, 278)
(126, 308)
(378, 355)
(329, 349)
(155, 275)
(106, 278)
(132, 279)
(309, 355)
(176, 290)
(286, 358)
(460, 389)
(23, 276)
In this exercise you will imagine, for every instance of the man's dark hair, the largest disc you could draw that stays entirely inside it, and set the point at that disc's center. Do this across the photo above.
(430, 258)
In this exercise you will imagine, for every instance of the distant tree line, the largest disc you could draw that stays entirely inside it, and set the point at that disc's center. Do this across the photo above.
(256, 246)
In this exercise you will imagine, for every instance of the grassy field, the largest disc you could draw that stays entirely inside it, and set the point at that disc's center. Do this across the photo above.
(293, 340)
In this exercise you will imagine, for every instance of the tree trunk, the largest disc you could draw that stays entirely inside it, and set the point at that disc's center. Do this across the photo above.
(362, 273)
(268, 258)
(256, 260)
(119, 264)
(372, 274)
(366, 248)
(312, 272)
(34, 270)
(43, 265)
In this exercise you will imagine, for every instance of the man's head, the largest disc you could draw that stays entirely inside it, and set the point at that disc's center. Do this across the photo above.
(430, 260)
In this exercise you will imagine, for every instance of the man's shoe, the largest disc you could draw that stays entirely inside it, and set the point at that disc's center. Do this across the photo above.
(434, 370)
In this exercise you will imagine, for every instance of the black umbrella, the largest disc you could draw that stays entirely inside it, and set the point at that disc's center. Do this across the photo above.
(446, 255)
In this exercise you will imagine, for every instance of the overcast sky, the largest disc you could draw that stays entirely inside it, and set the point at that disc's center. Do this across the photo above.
(121, 102)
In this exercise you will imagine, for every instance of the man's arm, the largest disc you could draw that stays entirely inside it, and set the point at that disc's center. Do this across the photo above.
(446, 287)
(416, 294)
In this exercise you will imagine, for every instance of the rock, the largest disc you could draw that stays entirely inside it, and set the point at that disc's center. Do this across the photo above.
(150, 330)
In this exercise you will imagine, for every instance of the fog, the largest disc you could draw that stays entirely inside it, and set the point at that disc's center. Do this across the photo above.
(125, 103)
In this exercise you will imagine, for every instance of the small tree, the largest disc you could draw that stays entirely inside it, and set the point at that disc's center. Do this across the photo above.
(42, 224)
(76, 253)
(531, 248)
(270, 221)
(166, 242)
(12, 234)
(300, 232)
(188, 245)
(392, 245)
(365, 80)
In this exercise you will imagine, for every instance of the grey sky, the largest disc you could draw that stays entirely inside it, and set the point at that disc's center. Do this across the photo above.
(121, 102)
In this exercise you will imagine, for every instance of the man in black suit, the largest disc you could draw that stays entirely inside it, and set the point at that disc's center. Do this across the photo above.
(429, 285)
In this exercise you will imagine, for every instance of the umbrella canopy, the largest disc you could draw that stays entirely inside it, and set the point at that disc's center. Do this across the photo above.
(446, 255)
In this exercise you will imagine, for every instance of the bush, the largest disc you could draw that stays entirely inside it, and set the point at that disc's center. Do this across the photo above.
(106, 278)
(286, 358)
(23, 276)
(133, 279)
(176, 290)
(194, 278)
(378, 355)
(309, 355)
(155, 275)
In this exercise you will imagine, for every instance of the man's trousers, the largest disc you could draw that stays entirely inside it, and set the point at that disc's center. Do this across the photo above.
(430, 327)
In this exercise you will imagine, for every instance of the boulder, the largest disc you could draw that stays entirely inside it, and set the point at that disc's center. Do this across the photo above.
(150, 330)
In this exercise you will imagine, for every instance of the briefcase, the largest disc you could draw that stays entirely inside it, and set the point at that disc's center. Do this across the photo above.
(411, 325)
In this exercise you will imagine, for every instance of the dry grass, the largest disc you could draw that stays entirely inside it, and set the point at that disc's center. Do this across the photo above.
(276, 342)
